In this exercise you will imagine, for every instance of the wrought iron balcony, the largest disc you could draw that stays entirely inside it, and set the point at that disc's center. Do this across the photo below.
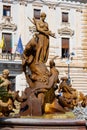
(10, 57)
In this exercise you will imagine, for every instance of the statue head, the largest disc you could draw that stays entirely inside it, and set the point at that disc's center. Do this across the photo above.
(5, 73)
(43, 14)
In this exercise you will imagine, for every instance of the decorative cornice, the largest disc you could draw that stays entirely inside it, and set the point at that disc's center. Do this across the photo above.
(7, 24)
(66, 31)
(46, 2)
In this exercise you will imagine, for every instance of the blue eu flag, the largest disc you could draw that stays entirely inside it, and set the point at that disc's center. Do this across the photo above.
(19, 46)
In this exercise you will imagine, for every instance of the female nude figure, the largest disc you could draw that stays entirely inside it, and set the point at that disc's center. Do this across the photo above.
(43, 39)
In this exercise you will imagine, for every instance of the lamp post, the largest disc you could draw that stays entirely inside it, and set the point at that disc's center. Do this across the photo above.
(68, 62)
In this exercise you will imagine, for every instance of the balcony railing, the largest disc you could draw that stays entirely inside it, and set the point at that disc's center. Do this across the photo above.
(10, 56)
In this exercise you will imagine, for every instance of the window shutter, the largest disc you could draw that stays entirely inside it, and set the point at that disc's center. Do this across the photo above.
(64, 17)
(65, 43)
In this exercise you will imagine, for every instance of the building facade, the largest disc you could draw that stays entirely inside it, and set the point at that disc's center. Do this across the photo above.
(66, 18)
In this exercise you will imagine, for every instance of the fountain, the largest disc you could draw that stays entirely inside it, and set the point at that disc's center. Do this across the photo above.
(39, 99)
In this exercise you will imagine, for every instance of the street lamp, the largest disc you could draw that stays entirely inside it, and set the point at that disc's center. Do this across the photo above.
(69, 56)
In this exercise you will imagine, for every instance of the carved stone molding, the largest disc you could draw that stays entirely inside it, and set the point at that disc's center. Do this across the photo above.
(7, 24)
(32, 29)
(52, 6)
(66, 31)
(79, 10)
(23, 2)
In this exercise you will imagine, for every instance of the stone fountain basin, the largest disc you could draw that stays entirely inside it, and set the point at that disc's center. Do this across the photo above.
(46, 122)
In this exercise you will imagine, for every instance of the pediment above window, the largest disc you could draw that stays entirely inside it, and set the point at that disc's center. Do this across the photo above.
(66, 31)
(7, 24)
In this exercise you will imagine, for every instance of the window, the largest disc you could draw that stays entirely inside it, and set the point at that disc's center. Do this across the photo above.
(37, 13)
(7, 43)
(65, 47)
(64, 17)
(6, 10)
